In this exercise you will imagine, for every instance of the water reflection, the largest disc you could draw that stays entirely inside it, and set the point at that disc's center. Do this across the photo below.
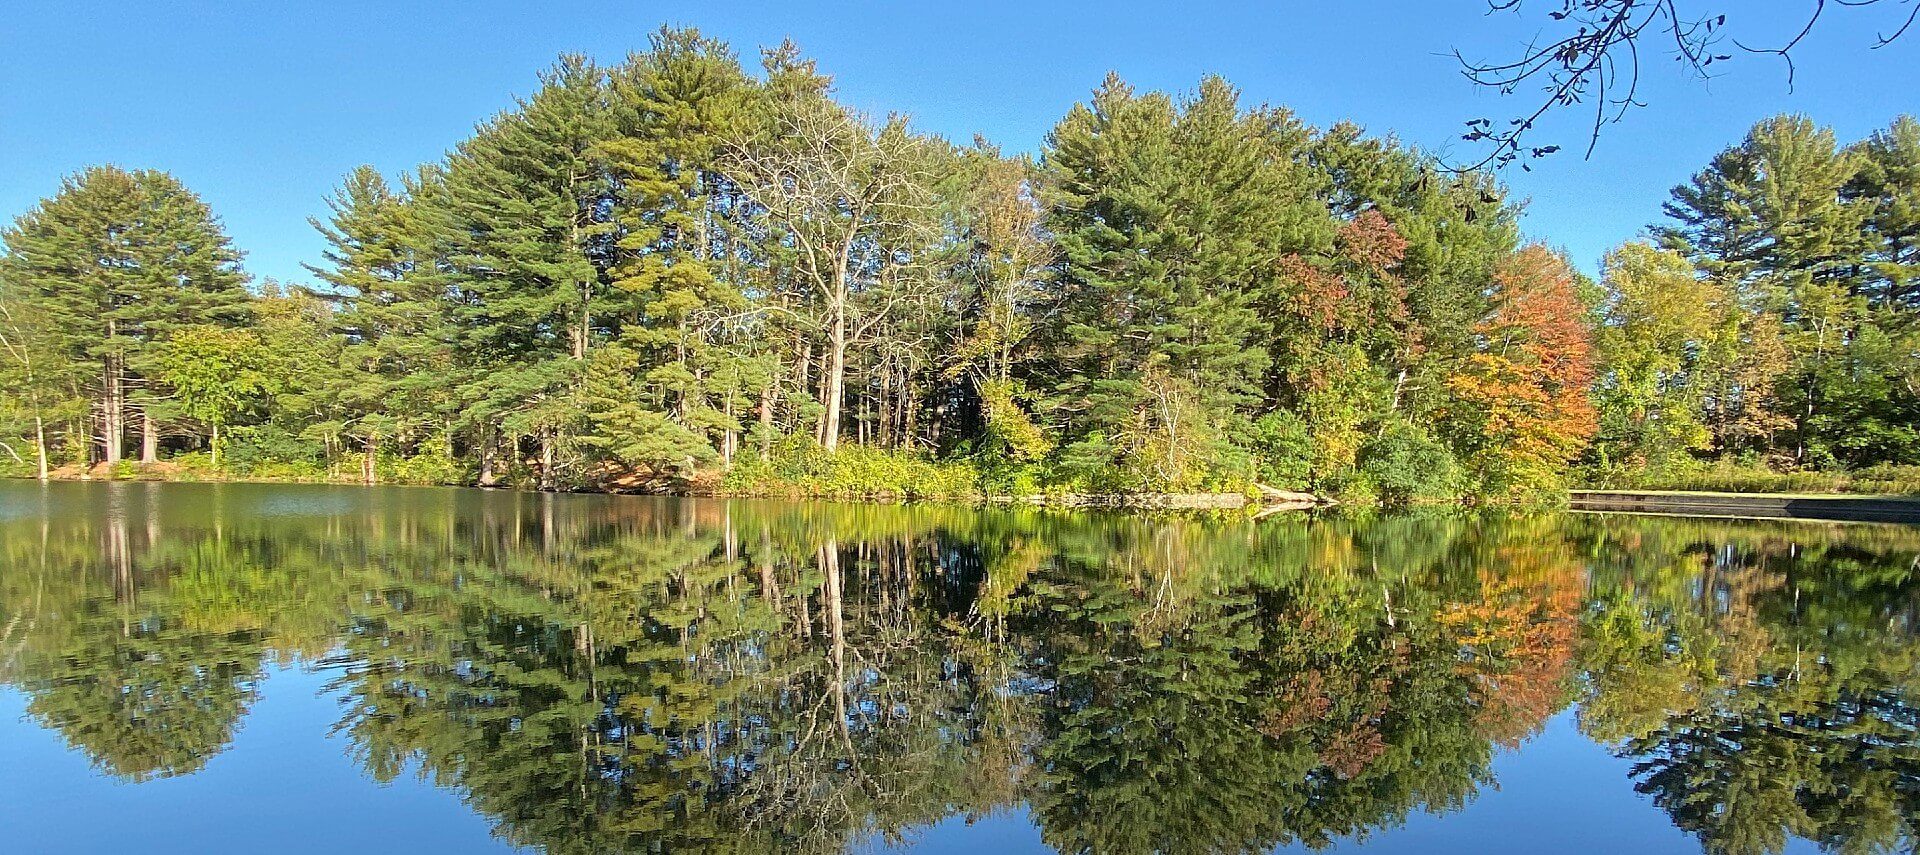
(602, 674)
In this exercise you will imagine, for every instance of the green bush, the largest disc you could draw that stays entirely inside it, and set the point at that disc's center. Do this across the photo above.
(297, 471)
(257, 450)
(802, 468)
(11, 468)
(434, 463)
(1405, 465)
(1284, 446)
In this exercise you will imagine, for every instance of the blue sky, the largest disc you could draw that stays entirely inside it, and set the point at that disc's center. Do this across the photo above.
(263, 107)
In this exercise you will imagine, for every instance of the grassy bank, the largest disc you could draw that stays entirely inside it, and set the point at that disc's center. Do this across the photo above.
(854, 472)
(198, 467)
(1732, 478)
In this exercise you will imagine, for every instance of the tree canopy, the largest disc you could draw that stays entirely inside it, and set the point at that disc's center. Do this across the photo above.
(677, 273)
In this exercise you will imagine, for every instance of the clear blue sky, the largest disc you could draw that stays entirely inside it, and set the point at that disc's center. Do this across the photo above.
(262, 107)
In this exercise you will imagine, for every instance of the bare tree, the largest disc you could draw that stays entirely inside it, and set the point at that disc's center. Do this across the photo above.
(14, 344)
(849, 200)
(1593, 53)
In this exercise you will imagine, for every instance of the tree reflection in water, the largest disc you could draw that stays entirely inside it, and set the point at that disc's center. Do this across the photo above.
(602, 674)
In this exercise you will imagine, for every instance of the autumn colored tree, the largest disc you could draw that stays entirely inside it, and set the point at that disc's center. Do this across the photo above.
(1181, 292)
(1522, 409)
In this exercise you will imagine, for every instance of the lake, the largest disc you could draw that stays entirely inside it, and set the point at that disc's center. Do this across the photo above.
(243, 668)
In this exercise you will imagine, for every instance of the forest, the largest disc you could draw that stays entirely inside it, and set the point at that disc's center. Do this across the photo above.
(679, 273)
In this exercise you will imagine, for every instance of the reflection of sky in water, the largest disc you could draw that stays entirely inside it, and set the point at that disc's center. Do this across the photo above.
(288, 787)
(448, 603)
(1559, 792)
(284, 786)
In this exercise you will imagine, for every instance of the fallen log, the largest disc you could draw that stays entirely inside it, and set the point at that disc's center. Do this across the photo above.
(1274, 500)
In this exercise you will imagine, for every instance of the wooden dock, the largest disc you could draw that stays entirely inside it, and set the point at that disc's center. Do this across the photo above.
(1897, 509)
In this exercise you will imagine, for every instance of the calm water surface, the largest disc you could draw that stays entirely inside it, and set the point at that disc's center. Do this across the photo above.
(345, 670)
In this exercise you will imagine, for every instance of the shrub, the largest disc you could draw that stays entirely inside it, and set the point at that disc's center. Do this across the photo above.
(803, 468)
(1751, 477)
(433, 463)
(1284, 447)
(1405, 465)
(257, 450)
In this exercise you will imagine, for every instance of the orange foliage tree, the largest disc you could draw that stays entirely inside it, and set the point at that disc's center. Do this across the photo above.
(1517, 631)
(1521, 402)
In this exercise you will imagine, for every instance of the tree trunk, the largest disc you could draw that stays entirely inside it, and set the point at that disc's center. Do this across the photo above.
(368, 459)
(112, 429)
(149, 437)
(836, 378)
(489, 449)
(766, 421)
(546, 461)
(40, 445)
(586, 322)
(215, 445)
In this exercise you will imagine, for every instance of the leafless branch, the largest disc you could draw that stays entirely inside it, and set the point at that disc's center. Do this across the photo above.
(1597, 52)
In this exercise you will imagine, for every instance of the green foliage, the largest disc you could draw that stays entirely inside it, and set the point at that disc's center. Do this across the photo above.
(752, 676)
(649, 275)
(1813, 242)
(255, 450)
(1729, 476)
(1010, 433)
(95, 280)
(852, 472)
(433, 464)
(1283, 443)
(1405, 465)
(1168, 216)
(214, 372)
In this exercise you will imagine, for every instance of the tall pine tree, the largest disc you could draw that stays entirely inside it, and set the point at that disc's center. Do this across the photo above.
(109, 267)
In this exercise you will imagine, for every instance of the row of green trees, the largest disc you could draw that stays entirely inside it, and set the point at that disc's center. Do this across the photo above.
(644, 675)
(1776, 316)
(671, 273)
(647, 274)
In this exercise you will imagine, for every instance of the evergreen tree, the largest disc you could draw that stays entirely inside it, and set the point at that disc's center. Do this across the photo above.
(109, 267)
(1171, 220)
(1888, 182)
(1814, 235)
(677, 106)
(389, 375)
(529, 238)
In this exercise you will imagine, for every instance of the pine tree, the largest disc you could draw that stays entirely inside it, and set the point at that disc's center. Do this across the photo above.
(529, 238)
(1172, 220)
(390, 378)
(1457, 229)
(1770, 214)
(110, 266)
(1888, 182)
(1774, 221)
(677, 105)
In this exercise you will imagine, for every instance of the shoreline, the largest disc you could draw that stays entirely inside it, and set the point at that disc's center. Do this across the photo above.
(1816, 506)
(1862, 507)
(1267, 501)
